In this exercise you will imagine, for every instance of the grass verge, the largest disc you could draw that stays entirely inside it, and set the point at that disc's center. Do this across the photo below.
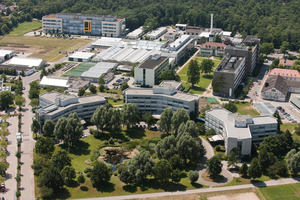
(281, 192)
(25, 27)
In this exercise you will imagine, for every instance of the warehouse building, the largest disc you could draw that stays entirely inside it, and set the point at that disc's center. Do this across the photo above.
(155, 100)
(77, 84)
(81, 57)
(157, 33)
(104, 69)
(54, 81)
(6, 54)
(54, 105)
(105, 25)
(147, 72)
(295, 103)
(19, 69)
(239, 131)
(36, 63)
(136, 34)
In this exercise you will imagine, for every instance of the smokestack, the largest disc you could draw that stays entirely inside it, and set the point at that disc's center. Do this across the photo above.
(211, 22)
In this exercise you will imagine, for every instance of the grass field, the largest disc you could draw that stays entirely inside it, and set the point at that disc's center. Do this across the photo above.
(119, 102)
(205, 79)
(281, 192)
(25, 27)
(42, 47)
(242, 181)
(246, 108)
(291, 127)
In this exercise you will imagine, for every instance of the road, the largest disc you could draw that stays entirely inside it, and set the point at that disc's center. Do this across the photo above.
(202, 168)
(216, 189)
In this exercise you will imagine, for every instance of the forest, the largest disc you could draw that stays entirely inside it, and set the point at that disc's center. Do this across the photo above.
(271, 20)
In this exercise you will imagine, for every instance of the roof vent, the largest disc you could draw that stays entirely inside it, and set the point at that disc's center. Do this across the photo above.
(156, 57)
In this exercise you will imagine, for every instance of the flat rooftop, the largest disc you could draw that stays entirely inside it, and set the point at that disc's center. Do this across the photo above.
(83, 55)
(152, 64)
(79, 84)
(55, 81)
(296, 101)
(26, 61)
(173, 83)
(264, 120)
(230, 64)
(149, 92)
(16, 67)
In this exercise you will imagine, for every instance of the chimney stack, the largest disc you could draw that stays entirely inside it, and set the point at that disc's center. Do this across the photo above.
(211, 22)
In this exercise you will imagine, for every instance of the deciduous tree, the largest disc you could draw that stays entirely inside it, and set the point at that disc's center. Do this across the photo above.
(244, 170)
(101, 80)
(60, 159)
(68, 173)
(293, 161)
(254, 170)
(180, 116)
(193, 72)
(52, 178)
(48, 128)
(100, 174)
(130, 115)
(6, 99)
(231, 107)
(35, 126)
(165, 121)
(149, 119)
(266, 48)
(99, 118)
(217, 39)
(162, 171)
(44, 146)
(206, 66)
(81, 92)
(214, 166)
(169, 75)
(93, 88)
(193, 176)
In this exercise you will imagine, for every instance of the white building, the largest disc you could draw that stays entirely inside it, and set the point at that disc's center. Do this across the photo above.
(275, 88)
(53, 81)
(147, 72)
(212, 48)
(36, 63)
(157, 33)
(81, 57)
(55, 105)
(104, 69)
(295, 104)
(136, 34)
(6, 54)
(155, 100)
(171, 35)
(239, 131)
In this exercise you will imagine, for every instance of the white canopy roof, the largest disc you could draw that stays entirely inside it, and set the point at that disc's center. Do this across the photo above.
(55, 81)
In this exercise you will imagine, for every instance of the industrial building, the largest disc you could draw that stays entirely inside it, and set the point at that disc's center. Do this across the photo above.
(212, 48)
(77, 84)
(36, 63)
(136, 34)
(171, 35)
(147, 72)
(104, 69)
(6, 54)
(295, 103)
(19, 69)
(54, 105)
(239, 131)
(81, 57)
(83, 24)
(155, 100)
(53, 81)
(228, 75)
(157, 33)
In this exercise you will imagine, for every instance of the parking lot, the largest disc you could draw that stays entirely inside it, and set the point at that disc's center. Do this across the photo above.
(119, 76)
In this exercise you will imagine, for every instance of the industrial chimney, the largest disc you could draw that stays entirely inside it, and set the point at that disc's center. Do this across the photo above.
(211, 22)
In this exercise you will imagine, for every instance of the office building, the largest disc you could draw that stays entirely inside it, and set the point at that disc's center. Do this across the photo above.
(239, 131)
(83, 24)
(295, 103)
(136, 34)
(287, 74)
(193, 31)
(250, 51)
(212, 48)
(157, 33)
(171, 35)
(228, 75)
(147, 72)
(54, 105)
(155, 100)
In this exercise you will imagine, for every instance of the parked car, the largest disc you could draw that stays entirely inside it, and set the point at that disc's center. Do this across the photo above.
(6, 140)
(285, 113)
(144, 126)
(118, 80)
(279, 108)
(294, 121)
(122, 78)
(84, 136)
(121, 83)
(282, 110)
(23, 88)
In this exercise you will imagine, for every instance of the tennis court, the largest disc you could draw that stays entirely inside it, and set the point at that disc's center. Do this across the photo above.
(83, 67)
(212, 100)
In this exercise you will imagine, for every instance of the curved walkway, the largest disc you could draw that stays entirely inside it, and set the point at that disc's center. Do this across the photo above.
(202, 168)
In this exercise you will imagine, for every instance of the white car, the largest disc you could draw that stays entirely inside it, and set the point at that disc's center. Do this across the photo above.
(84, 136)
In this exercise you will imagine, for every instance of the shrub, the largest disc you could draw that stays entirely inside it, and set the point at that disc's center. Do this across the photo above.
(242, 98)
(18, 178)
(218, 148)
(193, 176)
(18, 154)
(95, 155)
(18, 193)
(115, 173)
(87, 170)
(81, 179)
(111, 141)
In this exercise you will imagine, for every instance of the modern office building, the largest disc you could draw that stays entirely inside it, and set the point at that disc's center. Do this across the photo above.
(147, 72)
(250, 51)
(54, 105)
(212, 48)
(83, 24)
(155, 100)
(239, 131)
(228, 75)
(157, 33)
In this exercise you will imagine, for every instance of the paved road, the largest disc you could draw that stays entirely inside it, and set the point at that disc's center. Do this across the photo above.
(202, 168)
(217, 189)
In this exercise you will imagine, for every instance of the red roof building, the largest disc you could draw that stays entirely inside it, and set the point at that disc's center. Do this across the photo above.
(288, 74)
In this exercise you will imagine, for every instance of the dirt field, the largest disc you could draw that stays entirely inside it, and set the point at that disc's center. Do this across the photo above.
(42, 47)
(242, 196)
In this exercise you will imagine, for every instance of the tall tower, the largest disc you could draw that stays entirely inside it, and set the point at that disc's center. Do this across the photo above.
(211, 22)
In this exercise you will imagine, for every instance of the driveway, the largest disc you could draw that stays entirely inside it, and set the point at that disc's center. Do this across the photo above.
(202, 168)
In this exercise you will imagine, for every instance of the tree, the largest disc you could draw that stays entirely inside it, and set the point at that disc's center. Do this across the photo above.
(176, 175)
(60, 159)
(266, 158)
(101, 80)
(244, 170)
(68, 173)
(93, 89)
(44, 146)
(231, 107)
(180, 116)
(221, 56)
(81, 92)
(210, 132)
(99, 118)
(100, 174)
(206, 66)
(293, 161)
(22, 73)
(114, 120)
(285, 46)
(201, 128)
(162, 171)
(46, 192)
(35, 127)
(59, 130)
(52, 178)
(4, 77)
(19, 101)
(149, 119)
(232, 158)
(202, 40)
(138, 168)
(254, 170)
(34, 103)
(279, 122)
(6, 99)
(228, 41)
(217, 39)
(101, 88)
(80, 179)
(193, 72)
(214, 166)
(34, 90)
(124, 86)
(169, 75)
(176, 162)
(48, 128)
(266, 48)
(165, 121)
(193, 176)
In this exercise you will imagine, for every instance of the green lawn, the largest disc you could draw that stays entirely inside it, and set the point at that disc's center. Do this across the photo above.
(246, 108)
(281, 192)
(205, 79)
(291, 127)
(242, 181)
(25, 27)
(119, 102)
